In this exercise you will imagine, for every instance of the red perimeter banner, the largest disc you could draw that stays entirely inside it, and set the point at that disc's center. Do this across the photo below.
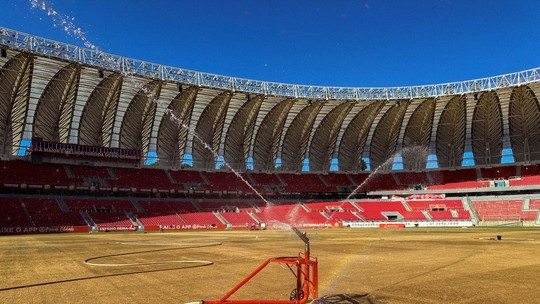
(392, 225)
(184, 227)
(43, 229)
(116, 228)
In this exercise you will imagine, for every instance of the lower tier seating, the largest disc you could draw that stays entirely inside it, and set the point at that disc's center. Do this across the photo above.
(13, 213)
(382, 211)
(47, 212)
(239, 219)
(204, 219)
(503, 210)
(293, 214)
(158, 213)
(126, 213)
(105, 219)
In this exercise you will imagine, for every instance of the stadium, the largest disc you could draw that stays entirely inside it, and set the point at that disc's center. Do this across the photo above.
(99, 152)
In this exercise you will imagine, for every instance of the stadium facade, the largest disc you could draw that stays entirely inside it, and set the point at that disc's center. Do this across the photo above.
(61, 93)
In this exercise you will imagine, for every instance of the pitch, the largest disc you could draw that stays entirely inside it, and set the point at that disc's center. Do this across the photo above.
(373, 265)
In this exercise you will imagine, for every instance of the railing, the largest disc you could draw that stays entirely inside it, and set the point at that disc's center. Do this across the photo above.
(82, 150)
(128, 66)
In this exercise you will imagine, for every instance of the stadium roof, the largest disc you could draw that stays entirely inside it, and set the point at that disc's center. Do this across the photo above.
(65, 93)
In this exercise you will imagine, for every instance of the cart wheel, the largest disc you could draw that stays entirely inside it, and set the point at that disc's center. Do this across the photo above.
(292, 296)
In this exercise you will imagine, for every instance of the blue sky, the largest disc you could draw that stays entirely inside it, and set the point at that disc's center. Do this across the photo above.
(342, 43)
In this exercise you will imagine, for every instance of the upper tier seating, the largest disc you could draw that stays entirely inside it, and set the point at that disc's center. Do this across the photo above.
(358, 179)
(92, 172)
(140, 179)
(456, 179)
(412, 178)
(530, 170)
(337, 179)
(441, 177)
(265, 179)
(377, 181)
(83, 204)
(18, 172)
(23, 172)
(227, 181)
(304, 182)
(498, 172)
(187, 177)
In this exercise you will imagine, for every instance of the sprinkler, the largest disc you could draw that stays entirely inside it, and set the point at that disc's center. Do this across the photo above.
(304, 268)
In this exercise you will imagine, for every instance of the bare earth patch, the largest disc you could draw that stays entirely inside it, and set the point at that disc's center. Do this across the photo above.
(362, 265)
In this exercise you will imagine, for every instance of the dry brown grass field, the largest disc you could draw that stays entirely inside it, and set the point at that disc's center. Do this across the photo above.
(384, 265)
